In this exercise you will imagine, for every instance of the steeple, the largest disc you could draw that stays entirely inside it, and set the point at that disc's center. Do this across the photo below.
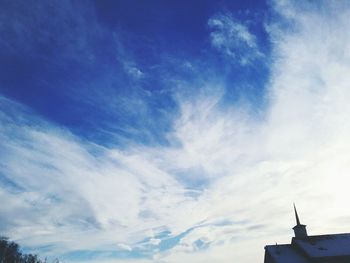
(296, 215)
(299, 229)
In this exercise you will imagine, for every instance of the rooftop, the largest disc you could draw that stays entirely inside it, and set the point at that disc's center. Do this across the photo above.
(325, 245)
(285, 253)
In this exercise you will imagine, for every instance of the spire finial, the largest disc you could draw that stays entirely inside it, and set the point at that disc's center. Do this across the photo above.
(296, 215)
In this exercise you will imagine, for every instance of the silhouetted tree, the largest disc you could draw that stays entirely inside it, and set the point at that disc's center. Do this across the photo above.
(10, 253)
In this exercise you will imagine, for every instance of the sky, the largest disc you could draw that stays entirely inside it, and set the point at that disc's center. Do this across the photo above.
(172, 131)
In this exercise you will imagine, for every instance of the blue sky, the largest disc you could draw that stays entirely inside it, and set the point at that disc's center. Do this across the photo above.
(171, 131)
(101, 61)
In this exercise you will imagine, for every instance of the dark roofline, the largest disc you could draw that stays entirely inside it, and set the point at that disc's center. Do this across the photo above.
(271, 258)
(325, 259)
(324, 235)
(308, 237)
(278, 245)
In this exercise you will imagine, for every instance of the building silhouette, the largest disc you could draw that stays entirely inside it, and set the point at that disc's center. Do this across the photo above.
(334, 248)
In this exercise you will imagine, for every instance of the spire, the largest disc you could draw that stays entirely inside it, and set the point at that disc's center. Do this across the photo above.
(296, 215)
(299, 229)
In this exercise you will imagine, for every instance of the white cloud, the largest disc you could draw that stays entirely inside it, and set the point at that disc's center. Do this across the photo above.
(134, 72)
(233, 38)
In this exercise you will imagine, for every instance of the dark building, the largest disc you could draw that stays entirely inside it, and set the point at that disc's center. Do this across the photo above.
(334, 248)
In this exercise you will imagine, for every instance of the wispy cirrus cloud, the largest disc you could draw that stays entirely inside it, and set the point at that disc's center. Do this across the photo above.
(66, 190)
(234, 39)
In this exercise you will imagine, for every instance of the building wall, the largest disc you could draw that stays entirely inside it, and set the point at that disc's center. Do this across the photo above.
(268, 258)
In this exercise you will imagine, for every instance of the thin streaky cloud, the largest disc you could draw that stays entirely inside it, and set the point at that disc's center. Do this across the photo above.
(234, 39)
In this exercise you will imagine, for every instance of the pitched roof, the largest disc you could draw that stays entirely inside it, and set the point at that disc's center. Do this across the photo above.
(312, 249)
(285, 253)
(334, 245)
